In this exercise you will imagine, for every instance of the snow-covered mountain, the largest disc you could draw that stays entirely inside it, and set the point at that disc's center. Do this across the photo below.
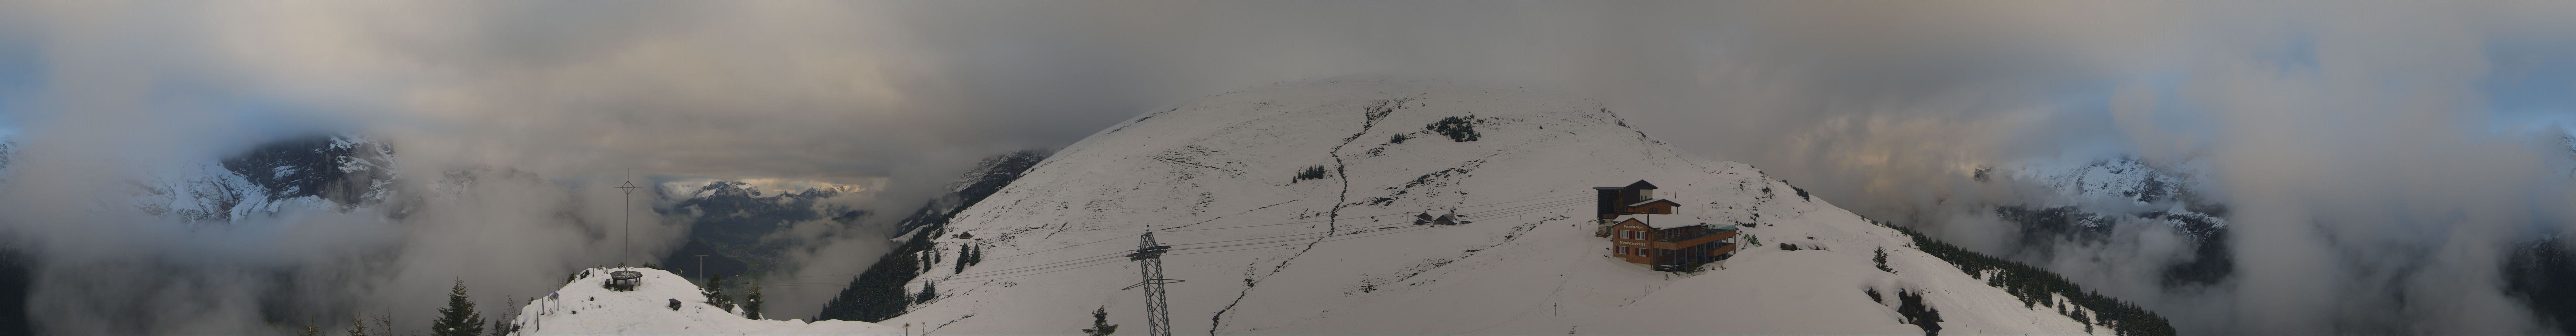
(1289, 210)
(2087, 200)
(323, 172)
(878, 294)
(730, 219)
(314, 173)
(585, 307)
(2170, 193)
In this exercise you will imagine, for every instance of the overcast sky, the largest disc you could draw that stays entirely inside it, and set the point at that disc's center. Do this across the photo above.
(2379, 147)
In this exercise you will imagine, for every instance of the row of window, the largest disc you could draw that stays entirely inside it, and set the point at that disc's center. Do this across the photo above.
(1624, 250)
(1632, 234)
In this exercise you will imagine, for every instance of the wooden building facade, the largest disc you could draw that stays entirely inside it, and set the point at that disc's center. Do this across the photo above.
(1625, 217)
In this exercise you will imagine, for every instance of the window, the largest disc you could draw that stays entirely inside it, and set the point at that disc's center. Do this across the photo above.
(1623, 250)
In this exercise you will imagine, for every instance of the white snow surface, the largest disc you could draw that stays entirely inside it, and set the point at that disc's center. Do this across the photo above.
(1228, 161)
(583, 307)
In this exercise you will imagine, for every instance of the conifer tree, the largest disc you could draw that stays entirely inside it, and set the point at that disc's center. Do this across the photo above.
(928, 291)
(357, 327)
(751, 303)
(1881, 259)
(1100, 323)
(501, 326)
(459, 317)
(715, 293)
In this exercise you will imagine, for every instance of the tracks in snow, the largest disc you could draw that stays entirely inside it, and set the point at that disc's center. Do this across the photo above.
(1375, 111)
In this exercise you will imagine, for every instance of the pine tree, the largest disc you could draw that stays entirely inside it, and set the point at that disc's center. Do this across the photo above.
(715, 293)
(928, 291)
(357, 327)
(385, 323)
(751, 303)
(501, 325)
(1100, 323)
(459, 318)
(1882, 260)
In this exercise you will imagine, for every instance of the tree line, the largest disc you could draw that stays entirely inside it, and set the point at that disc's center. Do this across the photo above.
(2038, 287)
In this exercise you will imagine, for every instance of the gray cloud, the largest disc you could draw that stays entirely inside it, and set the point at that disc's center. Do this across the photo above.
(2352, 138)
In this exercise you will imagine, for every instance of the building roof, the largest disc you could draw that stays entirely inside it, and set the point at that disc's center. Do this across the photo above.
(1652, 223)
(1668, 222)
(1641, 184)
(1650, 201)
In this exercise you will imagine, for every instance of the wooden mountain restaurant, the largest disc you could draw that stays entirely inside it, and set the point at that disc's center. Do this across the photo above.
(1676, 243)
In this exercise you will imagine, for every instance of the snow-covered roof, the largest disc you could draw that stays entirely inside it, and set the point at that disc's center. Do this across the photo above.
(1653, 200)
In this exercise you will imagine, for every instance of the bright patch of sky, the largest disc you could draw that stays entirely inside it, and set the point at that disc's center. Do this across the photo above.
(2531, 83)
(20, 82)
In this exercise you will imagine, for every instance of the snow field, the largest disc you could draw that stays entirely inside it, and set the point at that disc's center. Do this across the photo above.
(583, 307)
(1221, 169)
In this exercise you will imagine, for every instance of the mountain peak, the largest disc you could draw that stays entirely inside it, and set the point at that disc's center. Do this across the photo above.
(1289, 209)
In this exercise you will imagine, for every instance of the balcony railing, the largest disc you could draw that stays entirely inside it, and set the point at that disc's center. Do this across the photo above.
(1666, 236)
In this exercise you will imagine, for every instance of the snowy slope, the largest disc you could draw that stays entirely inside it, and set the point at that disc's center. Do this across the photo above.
(583, 307)
(1225, 169)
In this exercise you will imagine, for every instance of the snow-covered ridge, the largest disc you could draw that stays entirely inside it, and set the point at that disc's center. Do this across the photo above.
(585, 307)
(322, 173)
(1267, 246)
(755, 187)
(2167, 193)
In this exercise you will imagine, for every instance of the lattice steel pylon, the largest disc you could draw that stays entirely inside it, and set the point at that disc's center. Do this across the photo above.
(1149, 259)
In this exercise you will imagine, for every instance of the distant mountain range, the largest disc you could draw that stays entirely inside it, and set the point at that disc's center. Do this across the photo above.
(2135, 192)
